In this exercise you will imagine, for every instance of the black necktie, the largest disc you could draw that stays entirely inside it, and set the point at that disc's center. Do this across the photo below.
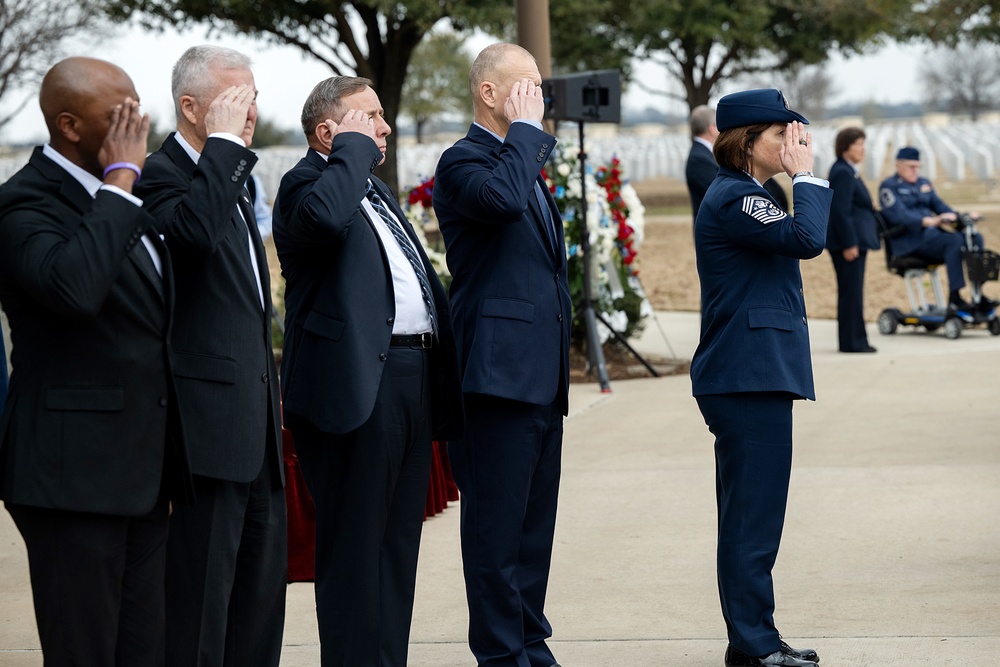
(411, 254)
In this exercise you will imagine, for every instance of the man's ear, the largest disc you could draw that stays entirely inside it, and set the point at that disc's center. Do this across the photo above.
(488, 93)
(324, 135)
(189, 106)
(69, 126)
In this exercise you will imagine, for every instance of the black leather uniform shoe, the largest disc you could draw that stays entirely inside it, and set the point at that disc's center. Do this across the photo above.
(786, 656)
(802, 653)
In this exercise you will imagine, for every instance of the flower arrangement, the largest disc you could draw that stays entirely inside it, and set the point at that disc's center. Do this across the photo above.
(419, 212)
(615, 222)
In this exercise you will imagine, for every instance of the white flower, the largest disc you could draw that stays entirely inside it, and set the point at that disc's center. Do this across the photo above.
(563, 169)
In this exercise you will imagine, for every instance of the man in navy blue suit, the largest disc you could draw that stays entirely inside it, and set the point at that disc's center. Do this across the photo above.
(369, 372)
(511, 304)
(701, 167)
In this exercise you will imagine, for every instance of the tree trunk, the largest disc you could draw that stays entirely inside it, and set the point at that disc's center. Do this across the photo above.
(389, 71)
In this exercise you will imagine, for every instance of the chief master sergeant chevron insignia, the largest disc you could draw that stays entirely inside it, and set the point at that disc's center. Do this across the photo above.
(762, 209)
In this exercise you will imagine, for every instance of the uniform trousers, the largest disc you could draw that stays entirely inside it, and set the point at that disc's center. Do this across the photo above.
(227, 571)
(97, 584)
(370, 489)
(852, 336)
(937, 245)
(507, 469)
(753, 460)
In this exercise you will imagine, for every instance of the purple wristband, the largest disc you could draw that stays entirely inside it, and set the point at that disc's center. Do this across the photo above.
(124, 165)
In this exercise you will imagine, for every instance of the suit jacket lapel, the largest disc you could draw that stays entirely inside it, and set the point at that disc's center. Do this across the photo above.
(144, 265)
(77, 196)
(178, 156)
(860, 184)
(249, 221)
(69, 188)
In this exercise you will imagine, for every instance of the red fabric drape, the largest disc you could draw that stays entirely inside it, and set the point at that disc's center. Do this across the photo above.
(302, 514)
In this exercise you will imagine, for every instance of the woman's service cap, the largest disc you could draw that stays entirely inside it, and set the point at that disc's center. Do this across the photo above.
(749, 107)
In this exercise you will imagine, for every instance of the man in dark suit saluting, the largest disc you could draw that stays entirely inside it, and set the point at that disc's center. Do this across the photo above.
(92, 449)
(227, 555)
(369, 372)
(701, 168)
(511, 303)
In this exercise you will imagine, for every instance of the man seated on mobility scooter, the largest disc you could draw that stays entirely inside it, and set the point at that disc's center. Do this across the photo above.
(928, 226)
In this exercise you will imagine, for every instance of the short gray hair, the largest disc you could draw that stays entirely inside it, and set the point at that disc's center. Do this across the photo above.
(325, 100)
(192, 72)
(702, 117)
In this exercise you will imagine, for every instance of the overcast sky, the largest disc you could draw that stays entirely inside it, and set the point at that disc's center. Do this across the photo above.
(284, 77)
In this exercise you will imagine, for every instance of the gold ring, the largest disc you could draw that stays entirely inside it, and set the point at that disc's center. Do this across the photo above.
(803, 142)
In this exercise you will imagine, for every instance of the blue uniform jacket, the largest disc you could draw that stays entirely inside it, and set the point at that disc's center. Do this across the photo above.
(907, 204)
(852, 216)
(754, 335)
(510, 294)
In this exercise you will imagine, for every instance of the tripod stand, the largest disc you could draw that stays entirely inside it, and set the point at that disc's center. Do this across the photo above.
(595, 352)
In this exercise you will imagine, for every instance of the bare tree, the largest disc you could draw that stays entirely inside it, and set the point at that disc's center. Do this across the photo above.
(33, 35)
(964, 78)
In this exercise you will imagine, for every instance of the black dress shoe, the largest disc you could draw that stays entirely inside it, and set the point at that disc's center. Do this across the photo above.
(785, 656)
(956, 302)
(867, 348)
(802, 653)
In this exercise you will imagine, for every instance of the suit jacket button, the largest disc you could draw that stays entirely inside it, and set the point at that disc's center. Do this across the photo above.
(163, 401)
(264, 378)
(803, 320)
(243, 163)
(559, 317)
(382, 356)
(234, 178)
(390, 321)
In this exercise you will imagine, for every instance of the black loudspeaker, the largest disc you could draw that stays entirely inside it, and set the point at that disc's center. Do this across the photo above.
(588, 97)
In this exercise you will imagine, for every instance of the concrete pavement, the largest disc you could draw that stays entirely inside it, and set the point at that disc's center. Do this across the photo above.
(891, 550)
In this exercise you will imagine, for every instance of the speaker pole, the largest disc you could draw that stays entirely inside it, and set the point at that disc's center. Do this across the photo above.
(594, 351)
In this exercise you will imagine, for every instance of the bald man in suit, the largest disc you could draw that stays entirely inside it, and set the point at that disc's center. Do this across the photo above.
(91, 445)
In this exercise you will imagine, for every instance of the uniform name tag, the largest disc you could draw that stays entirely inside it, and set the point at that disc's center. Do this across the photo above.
(762, 209)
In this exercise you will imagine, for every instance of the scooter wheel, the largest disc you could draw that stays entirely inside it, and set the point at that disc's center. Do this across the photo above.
(887, 322)
(952, 328)
(995, 326)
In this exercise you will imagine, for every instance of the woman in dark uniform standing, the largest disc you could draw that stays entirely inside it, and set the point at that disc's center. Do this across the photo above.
(853, 231)
(753, 358)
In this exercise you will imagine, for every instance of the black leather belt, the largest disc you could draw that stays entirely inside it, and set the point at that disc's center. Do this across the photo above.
(424, 340)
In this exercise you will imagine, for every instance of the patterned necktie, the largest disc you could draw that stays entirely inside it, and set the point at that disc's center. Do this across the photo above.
(411, 254)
